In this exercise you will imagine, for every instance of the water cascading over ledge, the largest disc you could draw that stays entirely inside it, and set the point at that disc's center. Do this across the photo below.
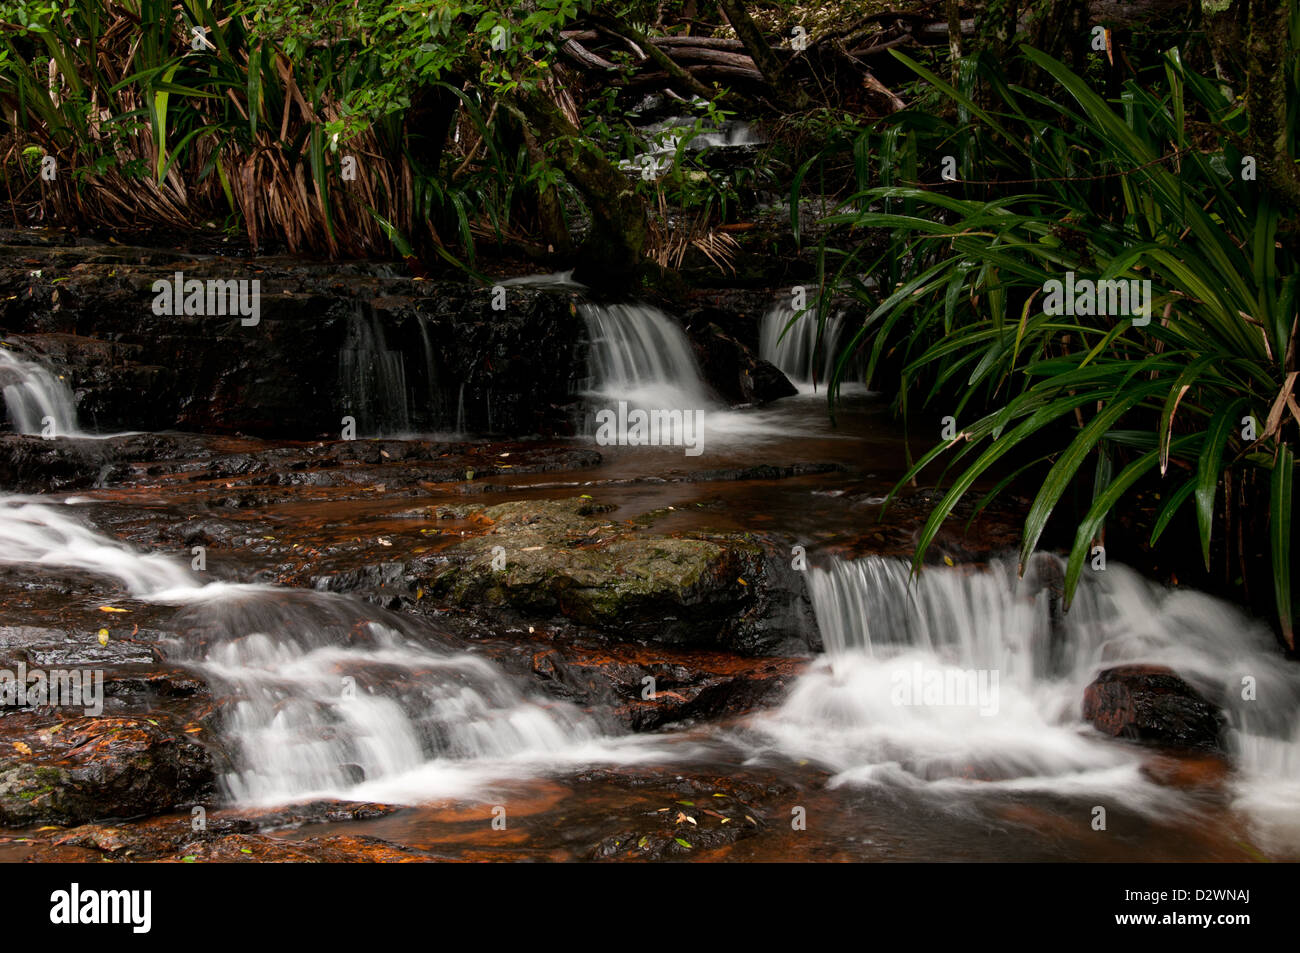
(323, 692)
(638, 354)
(795, 350)
(1025, 663)
(33, 395)
(372, 378)
(640, 359)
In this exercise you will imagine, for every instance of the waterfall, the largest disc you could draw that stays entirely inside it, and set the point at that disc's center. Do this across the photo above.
(32, 393)
(373, 379)
(330, 693)
(796, 352)
(324, 692)
(639, 354)
(856, 712)
(433, 400)
(639, 359)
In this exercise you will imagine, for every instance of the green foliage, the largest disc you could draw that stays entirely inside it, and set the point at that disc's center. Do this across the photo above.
(1149, 187)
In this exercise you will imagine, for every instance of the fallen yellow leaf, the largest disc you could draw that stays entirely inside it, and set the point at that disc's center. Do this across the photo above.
(22, 747)
(112, 609)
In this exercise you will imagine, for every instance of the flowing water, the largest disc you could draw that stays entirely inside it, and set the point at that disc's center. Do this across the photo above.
(640, 356)
(327, 693)
(944, 708)
(803, 351)
(35, 396)
(963, 683)
(373, 378)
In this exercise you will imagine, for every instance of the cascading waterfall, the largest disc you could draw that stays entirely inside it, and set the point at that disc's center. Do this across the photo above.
(638, 354)
(796, 352)
(32, 393)
(434, 401)
(328, 692)
(861, 712)
(373, 379)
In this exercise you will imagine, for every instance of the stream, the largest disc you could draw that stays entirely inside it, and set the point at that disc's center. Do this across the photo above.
(341, 639)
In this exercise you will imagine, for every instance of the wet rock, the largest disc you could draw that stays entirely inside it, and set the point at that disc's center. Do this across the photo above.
(1152, 705)
(644, 689)
(465, 364)
(699, 816)
(735, 371)
(251, 820)
(1208, 770)
(174, 841)
(32, 464)
(559, 558)
(69, 772)
(261, 473)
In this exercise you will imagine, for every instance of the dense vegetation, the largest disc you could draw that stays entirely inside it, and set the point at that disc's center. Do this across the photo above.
(961, 169)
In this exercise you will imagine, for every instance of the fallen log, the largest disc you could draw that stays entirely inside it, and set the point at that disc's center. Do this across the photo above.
(701, 71)
(703, 55)
(576, 51)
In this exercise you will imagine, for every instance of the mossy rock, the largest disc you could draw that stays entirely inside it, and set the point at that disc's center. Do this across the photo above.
(563, 558)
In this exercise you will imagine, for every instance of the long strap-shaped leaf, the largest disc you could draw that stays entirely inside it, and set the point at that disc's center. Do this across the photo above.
(1059, 477)
(1102, 504)
(1280, 538)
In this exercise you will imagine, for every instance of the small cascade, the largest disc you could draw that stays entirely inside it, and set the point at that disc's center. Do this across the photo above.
(330, 693)
(33, 393)
(1023, 663)
(727, 135)
(433, 401)
(639, 360)
(373, 379)
(796, 352)
(326, 692)
(640, 355)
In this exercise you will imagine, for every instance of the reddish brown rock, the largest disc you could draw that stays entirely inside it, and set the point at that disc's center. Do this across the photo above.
(1151, 704)
(69, 772)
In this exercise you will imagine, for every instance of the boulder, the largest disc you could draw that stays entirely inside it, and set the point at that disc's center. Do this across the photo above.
(543, 559)
(1152, 705)
(85, 769)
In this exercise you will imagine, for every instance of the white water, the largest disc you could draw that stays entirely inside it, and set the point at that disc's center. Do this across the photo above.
(373, 378)
(329, 696)
(640, 355)
(796, 352)
(848, 713)
(32, 393)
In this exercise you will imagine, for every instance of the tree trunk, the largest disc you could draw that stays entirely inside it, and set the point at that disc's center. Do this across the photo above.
(612, 253)
(1267, 44)
(768, 63)
(954, 39)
